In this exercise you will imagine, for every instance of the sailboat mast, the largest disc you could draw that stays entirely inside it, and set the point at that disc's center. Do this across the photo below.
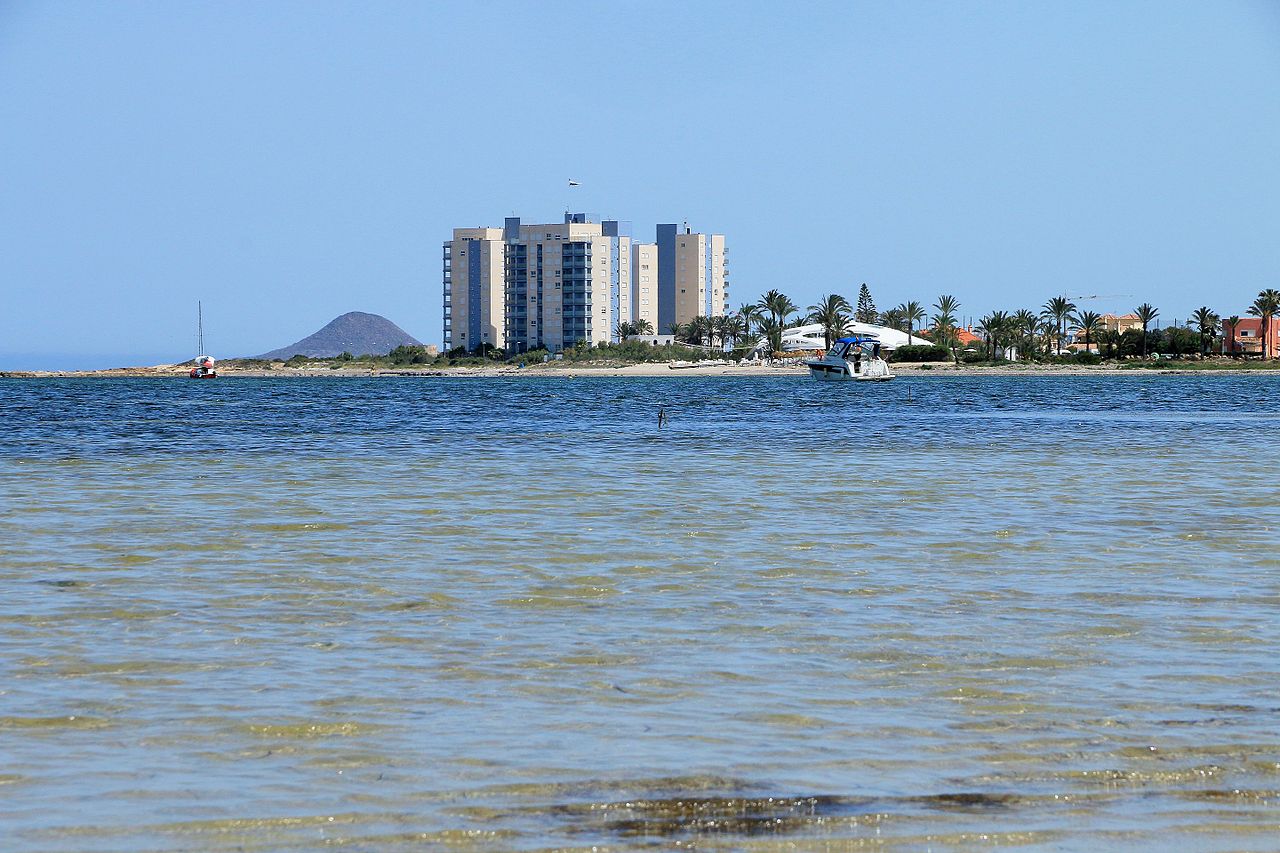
(200, 326)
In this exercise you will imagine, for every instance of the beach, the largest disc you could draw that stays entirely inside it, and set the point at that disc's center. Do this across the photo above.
(688, 370)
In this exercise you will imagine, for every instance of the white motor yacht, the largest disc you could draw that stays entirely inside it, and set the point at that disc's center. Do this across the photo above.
(851, 358)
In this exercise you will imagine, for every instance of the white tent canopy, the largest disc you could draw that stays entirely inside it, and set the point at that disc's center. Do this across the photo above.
(810, 337)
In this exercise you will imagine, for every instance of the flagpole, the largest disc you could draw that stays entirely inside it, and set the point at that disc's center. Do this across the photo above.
(572, 184)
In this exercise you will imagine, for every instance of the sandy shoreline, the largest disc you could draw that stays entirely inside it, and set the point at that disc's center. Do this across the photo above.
(172, 371)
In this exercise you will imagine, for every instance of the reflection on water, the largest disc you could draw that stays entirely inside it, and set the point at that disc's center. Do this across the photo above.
(513, 614)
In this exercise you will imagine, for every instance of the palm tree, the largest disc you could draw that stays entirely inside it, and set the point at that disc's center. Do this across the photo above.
(785, 307)
(945, 320)
(1230, 323)
(1266, 306)
(912, 312)
(748, 314)
(624, 330)
(894, 319)
(642, 327)
(741, 331)
(1146, 313)
(831, 313)
(1088, 322)
(703, 330)
(1026, 322)
(779, 305)
(771, 329)
(1059, 308)
(767, 303)
(718, 329)
(1108, 338)
(994, 326)
(1207, 322)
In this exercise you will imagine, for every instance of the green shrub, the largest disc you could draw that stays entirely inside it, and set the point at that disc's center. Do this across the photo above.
(638, 352)
(409, 355)
(928, 352)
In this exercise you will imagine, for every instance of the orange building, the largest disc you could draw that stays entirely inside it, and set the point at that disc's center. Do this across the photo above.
(1246, 338)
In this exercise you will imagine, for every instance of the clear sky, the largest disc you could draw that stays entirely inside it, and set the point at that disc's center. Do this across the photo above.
(287, 162)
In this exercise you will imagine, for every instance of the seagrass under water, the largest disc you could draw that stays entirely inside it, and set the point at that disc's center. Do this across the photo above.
(513, 614)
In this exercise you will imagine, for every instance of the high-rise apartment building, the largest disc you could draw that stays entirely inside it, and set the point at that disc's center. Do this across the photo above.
(474, 311)
(566, 283)
(525, 287)
(644, 284)
(688, 276)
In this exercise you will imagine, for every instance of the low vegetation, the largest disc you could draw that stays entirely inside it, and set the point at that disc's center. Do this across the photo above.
(923, 352)
(418, 357)
(1059, 333)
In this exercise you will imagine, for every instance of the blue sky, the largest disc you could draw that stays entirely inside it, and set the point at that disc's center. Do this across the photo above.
(288, 162)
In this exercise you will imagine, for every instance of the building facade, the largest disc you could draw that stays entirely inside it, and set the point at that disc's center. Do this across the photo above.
(474, 313)
(692, 277)
(644, 284)
(566, 283)
(554, 286)
(1246, 338)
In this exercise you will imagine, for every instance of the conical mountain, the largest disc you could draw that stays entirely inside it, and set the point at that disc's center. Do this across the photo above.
(354, 332)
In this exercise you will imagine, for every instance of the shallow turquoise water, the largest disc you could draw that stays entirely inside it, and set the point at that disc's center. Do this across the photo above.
(513, 614)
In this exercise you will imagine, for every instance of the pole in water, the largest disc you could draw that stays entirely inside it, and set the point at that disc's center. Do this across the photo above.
(662, 417)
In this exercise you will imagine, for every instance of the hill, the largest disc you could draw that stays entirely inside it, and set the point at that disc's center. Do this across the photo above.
(354, 332)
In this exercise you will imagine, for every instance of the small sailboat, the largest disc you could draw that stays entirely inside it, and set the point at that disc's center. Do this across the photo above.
(851, 358)
(204, 368)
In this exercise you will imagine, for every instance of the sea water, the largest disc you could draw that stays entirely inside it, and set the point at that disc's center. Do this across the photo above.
(517, 614)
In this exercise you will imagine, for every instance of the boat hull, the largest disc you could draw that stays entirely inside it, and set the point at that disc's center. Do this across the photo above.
(843, 371)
